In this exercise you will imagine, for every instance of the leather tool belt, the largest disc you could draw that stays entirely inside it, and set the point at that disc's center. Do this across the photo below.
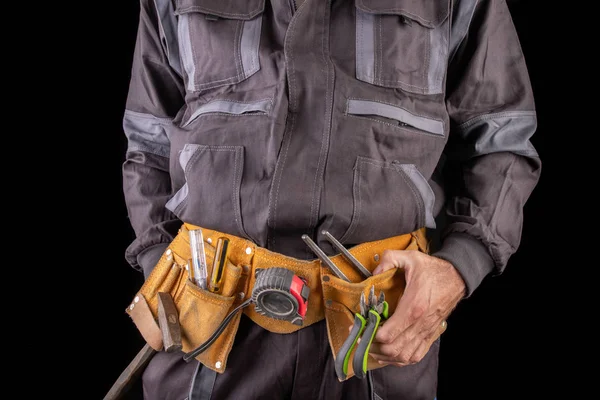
(201, 311)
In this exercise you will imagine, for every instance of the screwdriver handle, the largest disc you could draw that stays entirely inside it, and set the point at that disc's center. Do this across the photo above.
(219, 261)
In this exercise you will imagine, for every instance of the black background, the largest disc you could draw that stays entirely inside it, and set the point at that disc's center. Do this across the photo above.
(498, 344)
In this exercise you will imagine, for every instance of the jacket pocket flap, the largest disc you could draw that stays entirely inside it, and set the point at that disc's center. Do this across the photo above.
(430, 13)
(228, 9)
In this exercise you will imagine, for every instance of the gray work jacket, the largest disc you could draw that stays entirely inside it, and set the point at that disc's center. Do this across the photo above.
(368, 118)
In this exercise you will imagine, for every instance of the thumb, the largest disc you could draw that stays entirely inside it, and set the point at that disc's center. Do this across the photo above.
(390, 259)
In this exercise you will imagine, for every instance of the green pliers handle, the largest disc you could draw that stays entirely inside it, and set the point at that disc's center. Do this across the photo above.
(359, 363)
(343, 356)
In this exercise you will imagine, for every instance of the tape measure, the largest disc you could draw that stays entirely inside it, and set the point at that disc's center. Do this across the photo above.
(280, 294)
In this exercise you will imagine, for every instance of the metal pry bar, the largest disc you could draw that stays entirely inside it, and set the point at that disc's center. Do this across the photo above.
(323, 257)
(340, 247)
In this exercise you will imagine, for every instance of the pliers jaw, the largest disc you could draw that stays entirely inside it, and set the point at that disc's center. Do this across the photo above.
(363, 305)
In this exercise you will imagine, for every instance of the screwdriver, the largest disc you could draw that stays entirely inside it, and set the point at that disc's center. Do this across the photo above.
(199, 272)
(219, 261)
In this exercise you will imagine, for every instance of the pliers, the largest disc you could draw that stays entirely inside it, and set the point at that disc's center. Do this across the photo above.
(365, 327)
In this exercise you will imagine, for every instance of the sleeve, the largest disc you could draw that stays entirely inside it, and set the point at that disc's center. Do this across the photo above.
(154, 98)
(490, 167)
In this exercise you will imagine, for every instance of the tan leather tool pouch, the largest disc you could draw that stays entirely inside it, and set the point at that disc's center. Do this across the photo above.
(342, 298)
(200, 311)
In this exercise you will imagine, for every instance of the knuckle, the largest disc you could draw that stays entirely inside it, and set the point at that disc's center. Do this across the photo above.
(386, 337)
(403, 357)
(391, 351)
(416, 312)
(387, 254)
(415, 358)
(413, 253)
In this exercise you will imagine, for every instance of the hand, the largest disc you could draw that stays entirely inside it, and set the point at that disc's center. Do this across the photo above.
(433, 289)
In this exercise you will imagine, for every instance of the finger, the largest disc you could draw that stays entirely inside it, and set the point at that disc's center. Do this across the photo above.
(409, 354)
(383, 360)
(395, 330)
(411, 346)
(395, 364)
(397, 352)
(426, 343)
(420, 352)
(390, 259)
(402, 361)
(405, 316)
(391, 348)
(437, 332)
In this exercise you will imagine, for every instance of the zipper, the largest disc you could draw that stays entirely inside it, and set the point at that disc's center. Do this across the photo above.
(293, 6)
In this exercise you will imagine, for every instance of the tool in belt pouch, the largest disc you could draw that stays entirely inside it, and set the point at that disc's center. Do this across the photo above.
(287, 293)
(166, 336)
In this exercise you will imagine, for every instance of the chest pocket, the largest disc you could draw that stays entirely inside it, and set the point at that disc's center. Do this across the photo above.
(402, 43)
(218, 41)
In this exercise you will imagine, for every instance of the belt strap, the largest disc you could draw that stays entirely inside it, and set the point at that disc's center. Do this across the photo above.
(250, 257)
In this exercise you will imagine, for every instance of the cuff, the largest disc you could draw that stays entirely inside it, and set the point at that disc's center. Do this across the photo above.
(149, 257)
(469, 256)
